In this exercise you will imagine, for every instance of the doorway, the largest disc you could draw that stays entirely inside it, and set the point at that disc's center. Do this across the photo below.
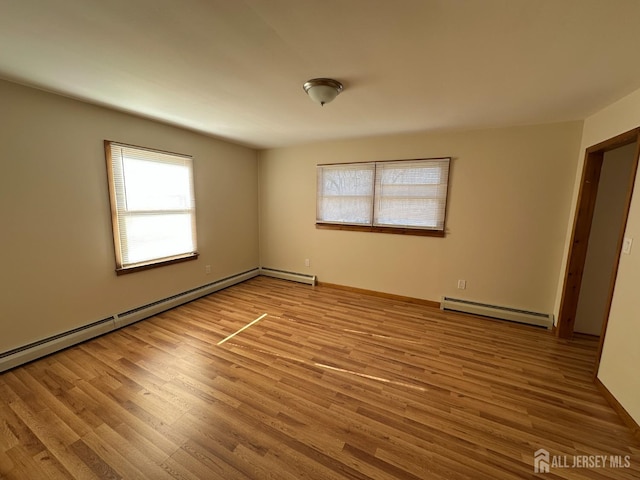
(608, 217)
(586, 223)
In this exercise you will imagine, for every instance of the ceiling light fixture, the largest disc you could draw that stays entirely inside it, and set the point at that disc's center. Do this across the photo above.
(322, 90)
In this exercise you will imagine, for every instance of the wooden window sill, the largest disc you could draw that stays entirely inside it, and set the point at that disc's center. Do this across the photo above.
(393, 230)
(154, 264)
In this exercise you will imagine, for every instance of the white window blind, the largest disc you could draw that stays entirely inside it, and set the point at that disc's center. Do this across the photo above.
(152, 203)
(345, 193)
(411, 193)
(407, 194)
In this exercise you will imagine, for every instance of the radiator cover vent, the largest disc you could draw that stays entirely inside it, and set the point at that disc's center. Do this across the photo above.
(292, 276)
(496, 311)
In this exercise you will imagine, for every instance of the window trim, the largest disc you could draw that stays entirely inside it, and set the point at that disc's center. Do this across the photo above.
(418, 232)
(136, 267)
(415, 231)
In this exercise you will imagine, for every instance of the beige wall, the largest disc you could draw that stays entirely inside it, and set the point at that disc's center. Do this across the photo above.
(621, 354)
(608, 217)
(56, 248)
(509, 198)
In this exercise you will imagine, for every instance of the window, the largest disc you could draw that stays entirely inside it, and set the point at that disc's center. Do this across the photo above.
(345, 193)
(152, 206)
(405, 196)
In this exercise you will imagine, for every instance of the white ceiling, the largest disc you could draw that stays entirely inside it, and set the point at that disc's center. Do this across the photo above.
(235, 68)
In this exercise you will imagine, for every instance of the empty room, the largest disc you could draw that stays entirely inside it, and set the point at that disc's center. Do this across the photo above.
(319, 239)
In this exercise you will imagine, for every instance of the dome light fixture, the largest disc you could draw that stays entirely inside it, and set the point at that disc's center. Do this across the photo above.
(322, 90)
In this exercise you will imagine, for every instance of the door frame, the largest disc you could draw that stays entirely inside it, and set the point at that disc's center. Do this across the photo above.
(583, 219)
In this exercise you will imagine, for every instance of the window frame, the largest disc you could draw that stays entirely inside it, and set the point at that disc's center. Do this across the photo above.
(121, 267)
(399, 230)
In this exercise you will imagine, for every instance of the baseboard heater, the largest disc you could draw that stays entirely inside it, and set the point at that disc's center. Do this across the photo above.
(499, 312)
(292, 276)
(32, 351)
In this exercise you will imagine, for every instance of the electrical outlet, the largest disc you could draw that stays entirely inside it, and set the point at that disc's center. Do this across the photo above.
(207, 269)
(462, 284)
(307, 262)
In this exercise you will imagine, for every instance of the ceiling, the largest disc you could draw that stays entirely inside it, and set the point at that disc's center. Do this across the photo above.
(234, 69)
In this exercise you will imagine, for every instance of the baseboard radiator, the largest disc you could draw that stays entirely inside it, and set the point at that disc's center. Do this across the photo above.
(44, 347)
(499, 312)
(292, 276)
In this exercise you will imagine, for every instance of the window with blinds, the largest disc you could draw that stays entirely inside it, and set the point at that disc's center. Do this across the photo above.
(345, 193)
(152, 206)
(404, 196)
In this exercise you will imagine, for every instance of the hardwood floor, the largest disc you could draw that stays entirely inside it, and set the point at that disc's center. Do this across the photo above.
(328, 385)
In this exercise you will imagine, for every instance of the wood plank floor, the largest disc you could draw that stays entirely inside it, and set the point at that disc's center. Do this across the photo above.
(328, 385)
